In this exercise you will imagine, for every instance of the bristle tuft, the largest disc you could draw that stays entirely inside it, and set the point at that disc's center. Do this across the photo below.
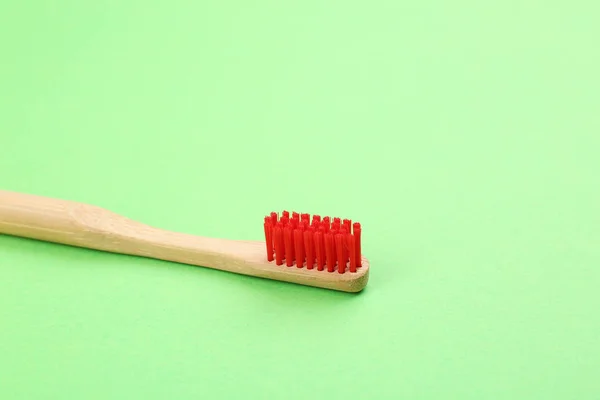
(357, 231)
(309, 247)
(352, 253)
(344, 232)
(289, 245)
(305, 218)
(269, 238)
(278, 243)
(295, 219)
(299, 247)
(326, 223)
(320, 249)
(330, 251)
(347, 225)
(339, 245)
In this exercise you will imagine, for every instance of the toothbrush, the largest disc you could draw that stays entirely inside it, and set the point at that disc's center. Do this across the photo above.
(321, 252)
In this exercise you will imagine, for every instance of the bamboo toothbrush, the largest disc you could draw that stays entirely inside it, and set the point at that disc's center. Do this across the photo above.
(321, 253)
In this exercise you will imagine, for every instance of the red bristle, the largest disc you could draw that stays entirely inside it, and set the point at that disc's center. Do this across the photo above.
(292, 249)
(337, 222)
(285, 218)
(274, 218)
(344, 232)
(278, 243)
(357, 251)
(350, 244)
(339, 244)
(305, 217)
(347, 225)
(269, 238)
(326, 223)
(334, 246)
(316, 219)
(299, 245)
(289, 246)
(295, 219)
(329, 252)
(320, 250)
(309, 247)
(283, 221)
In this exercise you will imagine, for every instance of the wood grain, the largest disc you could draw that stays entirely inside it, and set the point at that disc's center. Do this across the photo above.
(88, 226)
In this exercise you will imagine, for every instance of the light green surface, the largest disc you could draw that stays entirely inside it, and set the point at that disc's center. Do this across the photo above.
(463, 135)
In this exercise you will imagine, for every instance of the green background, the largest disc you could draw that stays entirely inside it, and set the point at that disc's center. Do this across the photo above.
(464, 135)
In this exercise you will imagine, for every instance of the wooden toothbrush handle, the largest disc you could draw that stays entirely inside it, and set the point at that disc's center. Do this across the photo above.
(83, 225)
(51, 220)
